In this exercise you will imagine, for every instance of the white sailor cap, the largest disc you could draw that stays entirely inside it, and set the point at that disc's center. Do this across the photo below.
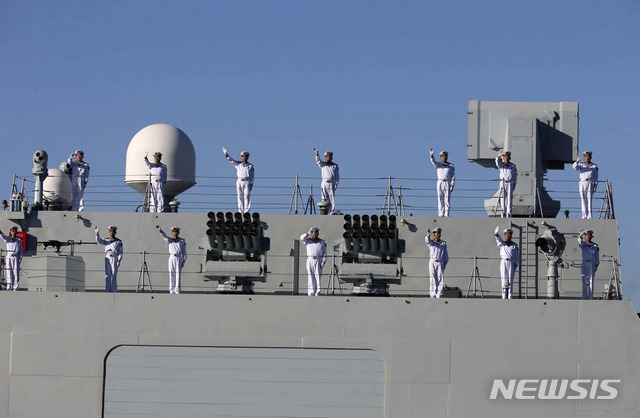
(438, 229)
(175, 228)
(444, 153)
(79, 151)
(587, 152)
(509, 230)
(115, 228)
(158, 153)
(244, 153)
(328, 154)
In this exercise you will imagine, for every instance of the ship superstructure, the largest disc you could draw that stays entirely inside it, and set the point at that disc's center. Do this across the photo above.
(241, 341)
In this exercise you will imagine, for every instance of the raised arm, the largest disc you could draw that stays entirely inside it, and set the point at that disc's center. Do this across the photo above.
(98, 239)
(146, 161)
(318, 161)
(164, 236)
(228, 157)
(433, 160)
(499, 239)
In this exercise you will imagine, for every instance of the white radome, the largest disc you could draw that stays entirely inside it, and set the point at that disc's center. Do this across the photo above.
(57, 189)
(177, 153)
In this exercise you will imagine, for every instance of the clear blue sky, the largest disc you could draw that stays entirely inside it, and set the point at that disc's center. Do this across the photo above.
(378, 82)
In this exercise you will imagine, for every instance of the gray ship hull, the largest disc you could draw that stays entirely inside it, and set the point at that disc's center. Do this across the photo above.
(440, 356)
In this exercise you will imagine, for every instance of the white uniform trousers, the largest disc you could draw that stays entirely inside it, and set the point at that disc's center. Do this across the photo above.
(175, 273)
(77, 193)
(156, 200)
(588, 270)
(507, 194)
(443, 197)
(314, 268)
(507, 271)
(244, 195)
(436, 278)
(586, 193)
(12, 272)
(328, 193)
(111, 274)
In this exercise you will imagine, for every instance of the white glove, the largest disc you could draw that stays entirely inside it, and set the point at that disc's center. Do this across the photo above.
(97, 229)
(323, 263)
(500, 153)
(224, 150)
(310, 231)
(431, 152)
(429, 232)
(158, 227)
(315, 150)
(581, 232)
(496, 230)
(73, 154)
(450, 189)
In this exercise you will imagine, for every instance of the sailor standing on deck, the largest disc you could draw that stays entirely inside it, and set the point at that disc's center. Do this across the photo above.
(446, 180)
(113, 253)
(316, 257)
(330, 178)
(508, 179)
(244, 184)
(510, 259)
(588, 182)
(439, 257)
(157, 180)
(590, 262)
(177, 257)
(13, 258)
(79, 179)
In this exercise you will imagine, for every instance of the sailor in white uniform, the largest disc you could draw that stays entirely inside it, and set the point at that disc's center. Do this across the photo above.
(510, 258)
(157, 180)
(446, 180)
(590, 262)
(316, 257)
(113, 252)
(330, 178)
(508, 180)
(177, 257)
(438, 259)
(79, 179)
(244, 183)
(13, 258)
(588, 182)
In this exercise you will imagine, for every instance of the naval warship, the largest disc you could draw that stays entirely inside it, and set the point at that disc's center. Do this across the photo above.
(244, 340)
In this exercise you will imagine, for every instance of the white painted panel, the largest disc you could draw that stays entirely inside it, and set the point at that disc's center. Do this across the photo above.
(243, 382)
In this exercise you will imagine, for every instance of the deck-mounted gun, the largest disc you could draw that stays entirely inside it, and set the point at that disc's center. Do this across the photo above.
(237, 251)
(370, 253)
(540, 136)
